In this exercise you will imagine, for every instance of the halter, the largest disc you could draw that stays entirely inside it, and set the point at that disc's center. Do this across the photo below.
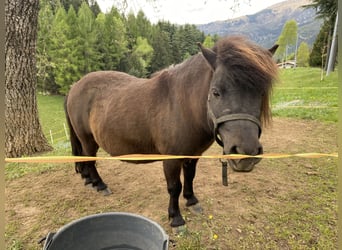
(232, 117)
(225, 118)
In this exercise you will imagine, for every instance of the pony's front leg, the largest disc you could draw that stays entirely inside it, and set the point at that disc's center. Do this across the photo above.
(172, 170)
(189, 171)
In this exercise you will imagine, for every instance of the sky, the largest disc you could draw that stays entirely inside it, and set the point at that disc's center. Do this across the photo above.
(190, 11)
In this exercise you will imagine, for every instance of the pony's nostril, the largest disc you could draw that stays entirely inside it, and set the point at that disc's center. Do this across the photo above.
(234, 150)
(239, 150)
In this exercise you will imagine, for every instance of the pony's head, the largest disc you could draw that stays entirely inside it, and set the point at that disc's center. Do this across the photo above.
(238, 98)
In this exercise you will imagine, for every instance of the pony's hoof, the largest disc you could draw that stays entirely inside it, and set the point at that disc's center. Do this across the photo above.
(106, 192)
(88, 181)
(90, 186)
(196, 209)
(180, 230)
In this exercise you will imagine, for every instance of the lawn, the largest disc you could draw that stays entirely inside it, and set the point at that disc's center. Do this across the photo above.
(302, 94)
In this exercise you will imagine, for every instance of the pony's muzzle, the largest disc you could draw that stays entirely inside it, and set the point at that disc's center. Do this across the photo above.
(246, 164)
(241, 136)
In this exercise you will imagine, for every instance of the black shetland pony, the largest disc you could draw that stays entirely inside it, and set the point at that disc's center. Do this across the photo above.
(221, 93)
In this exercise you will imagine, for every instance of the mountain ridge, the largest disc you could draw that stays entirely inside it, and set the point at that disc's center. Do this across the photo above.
(265, 26)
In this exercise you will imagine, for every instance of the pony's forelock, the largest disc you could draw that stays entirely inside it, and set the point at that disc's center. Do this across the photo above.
(251, 63)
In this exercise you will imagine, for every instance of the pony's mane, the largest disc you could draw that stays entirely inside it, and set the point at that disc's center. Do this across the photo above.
(250, 65)
(191, 61)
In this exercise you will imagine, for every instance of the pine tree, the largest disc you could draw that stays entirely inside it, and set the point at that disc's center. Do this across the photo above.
(94, 6)
(319, 50)
(100, 44)
(187, 38)
(73, 72)
(326, 10)
(86, 39)
(144, 27)
(131, 29)
(59, 50)
(162, 49)
(111, 42)
(45, 79)
(76, 4)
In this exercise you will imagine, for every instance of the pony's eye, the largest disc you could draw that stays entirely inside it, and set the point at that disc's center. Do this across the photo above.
(216, 93)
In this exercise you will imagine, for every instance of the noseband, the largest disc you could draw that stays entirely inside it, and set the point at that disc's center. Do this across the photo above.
(231, 117)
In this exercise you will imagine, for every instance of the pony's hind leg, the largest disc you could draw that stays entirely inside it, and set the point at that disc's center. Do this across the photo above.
(92, 177)
(88, 169)
(189, 171)
(83, 144)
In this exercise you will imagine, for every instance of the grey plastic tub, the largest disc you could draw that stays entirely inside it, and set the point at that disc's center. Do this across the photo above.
(107, 231)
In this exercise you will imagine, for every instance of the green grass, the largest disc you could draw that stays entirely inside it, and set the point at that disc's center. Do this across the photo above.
(302, 94)
(52, 116)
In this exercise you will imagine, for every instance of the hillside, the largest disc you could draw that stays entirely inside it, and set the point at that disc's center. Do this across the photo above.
(264, 27)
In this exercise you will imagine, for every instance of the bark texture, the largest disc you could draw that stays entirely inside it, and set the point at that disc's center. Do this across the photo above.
(23, 133)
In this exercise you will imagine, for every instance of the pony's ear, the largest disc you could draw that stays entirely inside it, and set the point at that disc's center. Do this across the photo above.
(209, 55)
(273, 49)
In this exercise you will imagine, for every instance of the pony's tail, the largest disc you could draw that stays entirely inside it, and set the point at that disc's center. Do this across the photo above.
(76, 146)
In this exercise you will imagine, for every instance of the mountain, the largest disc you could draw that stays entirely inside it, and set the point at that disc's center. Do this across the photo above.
(265, 26)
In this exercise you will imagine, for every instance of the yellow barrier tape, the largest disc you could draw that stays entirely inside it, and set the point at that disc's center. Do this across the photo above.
(305, 107)
(319, 88)
(152, 157)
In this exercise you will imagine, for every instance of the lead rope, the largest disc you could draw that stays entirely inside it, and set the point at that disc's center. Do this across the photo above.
(224, 172)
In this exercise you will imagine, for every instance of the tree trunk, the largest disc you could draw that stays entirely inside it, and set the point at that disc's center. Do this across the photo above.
(23, 133)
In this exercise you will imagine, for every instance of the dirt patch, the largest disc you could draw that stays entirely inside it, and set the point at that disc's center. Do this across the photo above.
(39, 203)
